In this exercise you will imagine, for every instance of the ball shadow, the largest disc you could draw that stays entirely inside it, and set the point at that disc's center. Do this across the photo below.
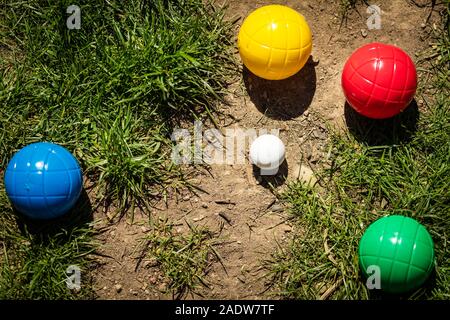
(272, 181)
(395, 130)
(80, 215)
(282, 99)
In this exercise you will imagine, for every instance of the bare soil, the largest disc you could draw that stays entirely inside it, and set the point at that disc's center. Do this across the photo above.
(304, 108)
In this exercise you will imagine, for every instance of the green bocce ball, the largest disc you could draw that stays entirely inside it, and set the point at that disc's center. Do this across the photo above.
(403, 251)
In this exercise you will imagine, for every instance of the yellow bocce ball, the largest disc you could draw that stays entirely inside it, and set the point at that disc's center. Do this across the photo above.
(274, 42)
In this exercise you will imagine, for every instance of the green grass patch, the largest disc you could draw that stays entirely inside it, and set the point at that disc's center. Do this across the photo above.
(183, 259)
(34, 270)
(35, 256)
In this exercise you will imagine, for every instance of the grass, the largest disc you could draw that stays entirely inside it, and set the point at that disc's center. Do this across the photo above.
(38, 270)
(345, 7)
(112, 93)
(183, 259)
(405, 172)
(34, 256)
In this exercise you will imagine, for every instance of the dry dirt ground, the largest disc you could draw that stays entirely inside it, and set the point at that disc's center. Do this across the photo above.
(303, 108)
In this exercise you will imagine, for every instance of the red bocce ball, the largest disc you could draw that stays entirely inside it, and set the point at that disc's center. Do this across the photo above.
(379, 80)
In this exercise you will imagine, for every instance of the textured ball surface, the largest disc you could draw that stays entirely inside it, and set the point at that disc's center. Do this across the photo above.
(379, 80)
(403, 250)
(43, 180)
(275, 42)
(267, 152)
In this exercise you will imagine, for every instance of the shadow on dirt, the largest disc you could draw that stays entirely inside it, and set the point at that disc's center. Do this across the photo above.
(396, 130)
(283, 99)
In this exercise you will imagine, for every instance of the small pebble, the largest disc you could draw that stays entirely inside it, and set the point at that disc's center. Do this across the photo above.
(277, 208)
(134, 293)
(162, 287)
(118, 288)
(199, 218)
(150, 263)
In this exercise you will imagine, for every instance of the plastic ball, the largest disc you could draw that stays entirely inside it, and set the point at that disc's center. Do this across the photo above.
(379, 80)
(274, 42)
(43, 180)
(267, 152)
(402, 249)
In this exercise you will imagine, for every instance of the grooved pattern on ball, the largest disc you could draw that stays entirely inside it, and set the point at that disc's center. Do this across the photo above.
(274, 42)
(379, 80)
(402, 248)
(43, 180)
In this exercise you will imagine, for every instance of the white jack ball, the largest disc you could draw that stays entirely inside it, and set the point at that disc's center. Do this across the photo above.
(267, 152)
